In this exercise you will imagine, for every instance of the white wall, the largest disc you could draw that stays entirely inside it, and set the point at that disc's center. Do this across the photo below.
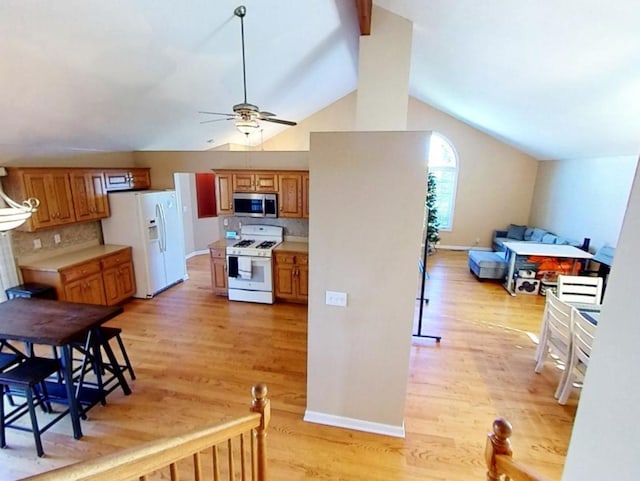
(583, 197)
(605, 439)
(365, 188)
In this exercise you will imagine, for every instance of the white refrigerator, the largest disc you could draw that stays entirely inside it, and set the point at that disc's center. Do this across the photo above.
(151, 223)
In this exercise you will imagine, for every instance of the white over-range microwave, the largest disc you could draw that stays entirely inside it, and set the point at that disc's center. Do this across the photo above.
(255, 205)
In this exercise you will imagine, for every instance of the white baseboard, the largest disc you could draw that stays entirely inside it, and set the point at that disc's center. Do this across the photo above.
(356, 424)
(462, 248)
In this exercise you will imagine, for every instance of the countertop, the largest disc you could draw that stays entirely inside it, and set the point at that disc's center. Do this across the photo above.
(293, 247)
(222, 243)
(70, 259)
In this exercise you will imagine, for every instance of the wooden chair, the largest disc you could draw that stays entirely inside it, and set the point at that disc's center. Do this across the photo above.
(583, 334)
(580, 289)
(555, 334)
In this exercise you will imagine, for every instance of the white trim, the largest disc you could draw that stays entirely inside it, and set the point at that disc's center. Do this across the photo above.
(461, 248)
(356, 424)
(196, 253)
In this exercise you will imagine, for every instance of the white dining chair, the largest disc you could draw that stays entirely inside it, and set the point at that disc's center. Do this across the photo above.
(555, 334)
(580, 289)
(582, 337)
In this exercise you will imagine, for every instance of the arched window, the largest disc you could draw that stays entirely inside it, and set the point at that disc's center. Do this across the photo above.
(443, 163)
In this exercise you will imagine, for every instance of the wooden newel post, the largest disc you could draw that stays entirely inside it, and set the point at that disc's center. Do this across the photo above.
(261, 404)
(497, 443)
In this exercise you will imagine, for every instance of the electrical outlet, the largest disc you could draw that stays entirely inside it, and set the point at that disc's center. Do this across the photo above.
(225, 222)
(56, 239)
(336, 298)
(477, 240)
(37, 244)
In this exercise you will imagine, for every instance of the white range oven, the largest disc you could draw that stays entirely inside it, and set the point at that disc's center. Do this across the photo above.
(249, 263)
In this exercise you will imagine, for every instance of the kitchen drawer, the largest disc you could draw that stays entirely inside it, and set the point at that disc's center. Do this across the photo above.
(217, 253)
(80, 271)
(285, 258)
(116, 259)
(302, 259)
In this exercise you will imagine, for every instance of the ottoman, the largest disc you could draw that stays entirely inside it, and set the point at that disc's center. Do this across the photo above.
(488, 265)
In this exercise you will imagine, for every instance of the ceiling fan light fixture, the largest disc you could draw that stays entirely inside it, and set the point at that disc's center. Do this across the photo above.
(14, 214)
(247, 126)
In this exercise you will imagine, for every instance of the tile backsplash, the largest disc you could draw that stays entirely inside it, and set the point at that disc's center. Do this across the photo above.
(292, 227)
(70, 236)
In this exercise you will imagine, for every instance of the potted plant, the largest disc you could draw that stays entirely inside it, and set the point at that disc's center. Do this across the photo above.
(432, 213)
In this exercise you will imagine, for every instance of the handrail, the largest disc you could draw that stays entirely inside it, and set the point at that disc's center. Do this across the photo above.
(499, 456)
(139, 461)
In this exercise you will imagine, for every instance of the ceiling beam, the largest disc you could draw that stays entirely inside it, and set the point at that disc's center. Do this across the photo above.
(363, 8)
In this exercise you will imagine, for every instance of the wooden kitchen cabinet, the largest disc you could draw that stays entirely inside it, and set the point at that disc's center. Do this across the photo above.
(305, 195)
(255, 182)
(98, 275)
(225, 194)
(290, 195)
(218, 256)
(118, 278)
(89, 194)
(136, 178)
(51, 187)
(291, 276)
(83, 283)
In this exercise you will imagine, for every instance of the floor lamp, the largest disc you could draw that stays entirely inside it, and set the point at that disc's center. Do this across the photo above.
(422, 299)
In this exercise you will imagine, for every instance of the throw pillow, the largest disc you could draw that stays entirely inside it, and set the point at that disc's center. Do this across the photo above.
(516, 232)
(549, 238)
(528, 233)
(537, 234)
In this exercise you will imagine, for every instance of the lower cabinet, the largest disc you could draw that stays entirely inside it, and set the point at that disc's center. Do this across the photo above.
(218, 258)
(291, 276)
(105, 280)
(117, 275)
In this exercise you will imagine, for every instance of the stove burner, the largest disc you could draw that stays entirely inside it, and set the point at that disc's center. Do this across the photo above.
(266, 245)
(244, 243)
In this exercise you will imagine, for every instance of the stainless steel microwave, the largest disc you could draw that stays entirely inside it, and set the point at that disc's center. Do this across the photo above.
(255, 205)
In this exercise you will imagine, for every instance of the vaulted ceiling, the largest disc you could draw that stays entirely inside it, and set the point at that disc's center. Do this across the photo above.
(555, 79)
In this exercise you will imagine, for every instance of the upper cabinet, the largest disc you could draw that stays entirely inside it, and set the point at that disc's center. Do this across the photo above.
(52, 188)
(225, 193)
(89, 195)
(255, 182)
(137, 178)
(290, 195)
(292, 188)
(69, 195)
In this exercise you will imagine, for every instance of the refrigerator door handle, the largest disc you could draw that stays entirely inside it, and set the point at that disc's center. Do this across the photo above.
(164, 228)
(161, 226)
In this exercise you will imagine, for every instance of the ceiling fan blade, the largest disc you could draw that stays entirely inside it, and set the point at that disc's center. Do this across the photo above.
(215, 113)
(216, 120)
(263, 115)
(279, 121)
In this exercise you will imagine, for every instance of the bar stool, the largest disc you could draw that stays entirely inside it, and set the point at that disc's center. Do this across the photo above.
(24, 378)
(93, 361)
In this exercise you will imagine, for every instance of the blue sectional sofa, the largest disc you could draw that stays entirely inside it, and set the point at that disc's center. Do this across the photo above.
(523, 233)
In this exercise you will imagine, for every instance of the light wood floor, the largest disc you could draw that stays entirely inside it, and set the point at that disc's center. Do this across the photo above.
(196, 356)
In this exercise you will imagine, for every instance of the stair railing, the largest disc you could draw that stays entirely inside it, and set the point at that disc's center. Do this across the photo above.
(195, 455)
(499, 456)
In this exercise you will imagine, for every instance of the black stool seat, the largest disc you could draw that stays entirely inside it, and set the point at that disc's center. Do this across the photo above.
(32, 371)
(8, 359)
(31, 289)
(25, 377)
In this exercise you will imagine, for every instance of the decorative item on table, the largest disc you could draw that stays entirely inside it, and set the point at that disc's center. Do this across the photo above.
(527, 286)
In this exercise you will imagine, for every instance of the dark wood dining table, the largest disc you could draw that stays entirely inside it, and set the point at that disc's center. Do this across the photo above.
(57, 323)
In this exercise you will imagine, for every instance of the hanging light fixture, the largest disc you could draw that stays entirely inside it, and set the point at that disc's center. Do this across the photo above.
(247, 126)
(15, 214)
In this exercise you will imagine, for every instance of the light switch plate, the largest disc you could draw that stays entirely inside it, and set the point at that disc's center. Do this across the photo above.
(336, 298)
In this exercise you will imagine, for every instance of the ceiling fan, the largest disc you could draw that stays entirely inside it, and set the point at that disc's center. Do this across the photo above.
(246, 115)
